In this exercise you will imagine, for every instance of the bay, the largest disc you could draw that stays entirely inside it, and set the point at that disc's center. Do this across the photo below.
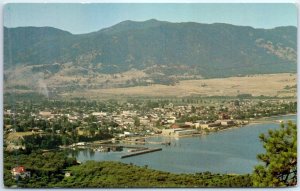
(229, 151)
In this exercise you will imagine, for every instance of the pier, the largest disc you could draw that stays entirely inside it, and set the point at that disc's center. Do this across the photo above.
(146, 142)
(141, 152)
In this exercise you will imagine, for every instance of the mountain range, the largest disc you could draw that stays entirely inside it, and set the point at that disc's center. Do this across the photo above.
(152, 46)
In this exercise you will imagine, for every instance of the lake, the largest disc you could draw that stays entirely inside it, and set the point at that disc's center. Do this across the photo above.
(230, 151)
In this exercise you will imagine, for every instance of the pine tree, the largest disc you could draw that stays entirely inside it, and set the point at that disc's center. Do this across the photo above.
(280, 159)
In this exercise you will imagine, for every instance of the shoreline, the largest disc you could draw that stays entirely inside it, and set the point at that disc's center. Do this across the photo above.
(281, 115)
(269, 119)
(254, 122)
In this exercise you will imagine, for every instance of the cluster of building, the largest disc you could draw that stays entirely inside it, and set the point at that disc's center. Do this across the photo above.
(130, 121)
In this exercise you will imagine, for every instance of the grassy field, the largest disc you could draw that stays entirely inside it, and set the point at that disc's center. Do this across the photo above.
(18, 135)
(265, 84)
(87, 85)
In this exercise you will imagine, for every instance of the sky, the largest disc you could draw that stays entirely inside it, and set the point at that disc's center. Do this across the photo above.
(85, 18)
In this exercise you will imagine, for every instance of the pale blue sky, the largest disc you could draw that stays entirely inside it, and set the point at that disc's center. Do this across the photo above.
(84, 18)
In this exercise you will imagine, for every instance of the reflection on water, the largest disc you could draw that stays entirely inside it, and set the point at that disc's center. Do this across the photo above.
(230, 151)
(91, 152)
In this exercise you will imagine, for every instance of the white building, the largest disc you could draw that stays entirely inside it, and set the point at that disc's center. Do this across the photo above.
(178, 132)
(128, 134)
(171, 120)
(99, 114)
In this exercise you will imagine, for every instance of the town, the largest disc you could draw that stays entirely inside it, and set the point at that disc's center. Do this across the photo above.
(28, 124)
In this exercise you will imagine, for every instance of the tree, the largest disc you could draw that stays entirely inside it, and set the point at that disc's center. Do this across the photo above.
(137, 122)
(280, 159)
(193, 109)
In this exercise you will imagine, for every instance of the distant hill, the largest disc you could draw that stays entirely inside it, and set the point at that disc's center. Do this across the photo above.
(208, 50)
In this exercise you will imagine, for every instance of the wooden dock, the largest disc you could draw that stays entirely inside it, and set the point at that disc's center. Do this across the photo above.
(141, 152)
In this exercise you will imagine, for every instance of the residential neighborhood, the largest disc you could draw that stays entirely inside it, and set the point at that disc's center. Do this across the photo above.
(83, 121)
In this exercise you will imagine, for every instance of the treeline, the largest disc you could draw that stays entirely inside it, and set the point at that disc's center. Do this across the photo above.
(36, 142)
(48, 141)
(266, 110)
(119, 175)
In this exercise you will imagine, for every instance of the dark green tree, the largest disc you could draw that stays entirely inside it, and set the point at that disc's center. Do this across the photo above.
(193, 109)
(280, 159)
(137, 122)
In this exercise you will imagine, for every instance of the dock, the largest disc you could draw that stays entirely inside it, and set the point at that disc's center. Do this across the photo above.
(146, 142)
(141, 152)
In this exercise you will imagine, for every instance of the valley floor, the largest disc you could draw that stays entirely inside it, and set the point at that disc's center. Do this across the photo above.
(280, 85)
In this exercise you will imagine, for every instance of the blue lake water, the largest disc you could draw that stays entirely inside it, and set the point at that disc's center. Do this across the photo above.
(230, 151)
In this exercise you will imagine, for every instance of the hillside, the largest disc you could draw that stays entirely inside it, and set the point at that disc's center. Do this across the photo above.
(274, 85)
(208, 50)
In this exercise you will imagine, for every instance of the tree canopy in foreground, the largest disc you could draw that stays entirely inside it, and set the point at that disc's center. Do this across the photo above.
(110, 174)
(280, 159)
